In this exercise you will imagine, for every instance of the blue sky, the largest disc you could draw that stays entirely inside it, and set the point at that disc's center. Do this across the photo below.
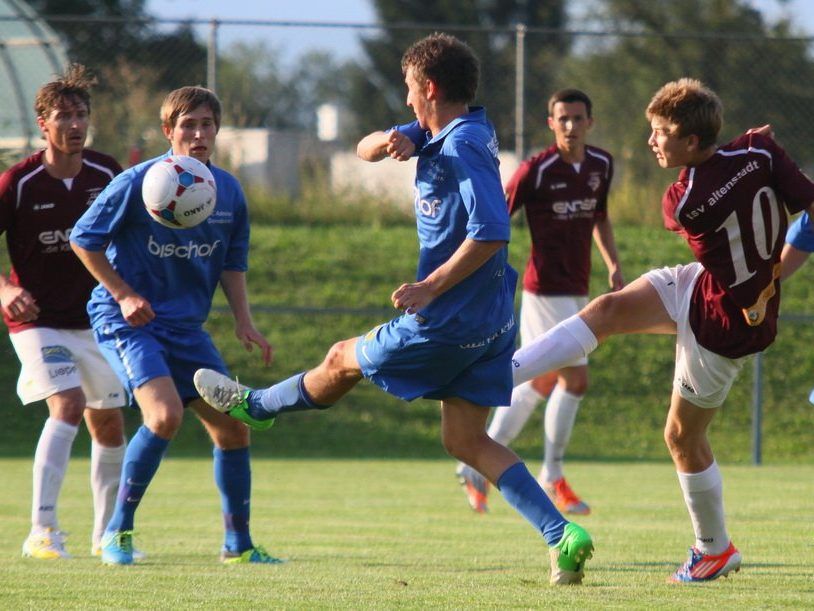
(293, 41)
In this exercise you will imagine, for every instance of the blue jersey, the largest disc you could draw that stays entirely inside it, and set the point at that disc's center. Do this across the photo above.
(176, 270)
(801, 233)
(458, 195)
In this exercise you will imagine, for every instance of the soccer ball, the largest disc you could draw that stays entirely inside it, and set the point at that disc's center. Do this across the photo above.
(179, 192)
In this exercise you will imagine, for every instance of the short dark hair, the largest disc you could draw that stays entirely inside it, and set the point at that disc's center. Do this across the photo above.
(186, 99)
(74, 85)
(448, 62)
(690, 105)
(568, 96)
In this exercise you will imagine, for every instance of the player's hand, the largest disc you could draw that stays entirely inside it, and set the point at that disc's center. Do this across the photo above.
(763, 130)
(399, 146)
(248, 335)
(18, 303)
(412, 297)
(615, 280)
(136, 310)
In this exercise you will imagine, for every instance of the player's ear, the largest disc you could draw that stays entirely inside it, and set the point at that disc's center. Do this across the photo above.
(692, 142)
(551, 123)
(167, 129)
(590, 123)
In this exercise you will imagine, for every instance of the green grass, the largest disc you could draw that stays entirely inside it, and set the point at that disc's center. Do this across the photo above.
(398, 534)
(346, 273)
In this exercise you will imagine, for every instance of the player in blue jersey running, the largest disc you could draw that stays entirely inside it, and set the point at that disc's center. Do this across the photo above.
(155, 292)
(455, 340)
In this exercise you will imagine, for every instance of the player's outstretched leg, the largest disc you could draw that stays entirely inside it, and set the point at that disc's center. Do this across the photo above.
(706, 567)
(475, 486)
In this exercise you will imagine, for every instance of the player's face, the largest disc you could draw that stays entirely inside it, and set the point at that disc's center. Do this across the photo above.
(194, 134)
(670, 149)
(417, 98)
(66, 127)
(570, 123)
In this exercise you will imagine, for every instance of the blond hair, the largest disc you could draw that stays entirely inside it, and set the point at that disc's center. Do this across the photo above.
(186, 99)
(690, 105)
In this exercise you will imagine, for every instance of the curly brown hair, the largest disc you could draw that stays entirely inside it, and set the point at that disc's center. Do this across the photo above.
(448, 62)
(690, 105)
(72, 86)
(187, 99)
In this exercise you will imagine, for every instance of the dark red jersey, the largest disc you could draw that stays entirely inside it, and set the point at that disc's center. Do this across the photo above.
(732, 210)
(562, 206)
(37, 212)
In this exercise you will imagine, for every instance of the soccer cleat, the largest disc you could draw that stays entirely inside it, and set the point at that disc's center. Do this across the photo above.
(566, 499)
(569, 555)
(46, 544)
(476, 487)
(706, 567)
(227, 396)
(117, 547)
(253, 555)
(138, 555)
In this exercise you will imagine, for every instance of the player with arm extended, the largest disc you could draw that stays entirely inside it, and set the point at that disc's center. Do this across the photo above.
(455, 339)
(564, 191)
(730, 203)
(155, 292)
(44, 301)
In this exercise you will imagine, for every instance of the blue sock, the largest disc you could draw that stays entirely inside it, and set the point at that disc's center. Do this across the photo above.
(233, 477)
(286, 396)
(522, 492)
(141, 460)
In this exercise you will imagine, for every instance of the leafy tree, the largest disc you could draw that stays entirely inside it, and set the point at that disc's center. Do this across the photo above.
(377, 88)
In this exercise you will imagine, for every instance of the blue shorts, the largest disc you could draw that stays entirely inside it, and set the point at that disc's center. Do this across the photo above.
(400, 360)
(140, 354)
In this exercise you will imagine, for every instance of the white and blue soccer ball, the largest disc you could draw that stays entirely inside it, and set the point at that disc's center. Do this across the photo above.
(179, 192)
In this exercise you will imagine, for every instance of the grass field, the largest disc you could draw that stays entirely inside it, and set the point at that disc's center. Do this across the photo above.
(398, 534)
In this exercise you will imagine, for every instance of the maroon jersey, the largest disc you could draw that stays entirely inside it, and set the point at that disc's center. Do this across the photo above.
(37, 212)
(562, 207)
(732, 210)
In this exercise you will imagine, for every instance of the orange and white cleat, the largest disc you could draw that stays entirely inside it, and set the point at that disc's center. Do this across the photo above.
(706, 567)
(566, 499)
(476, 487)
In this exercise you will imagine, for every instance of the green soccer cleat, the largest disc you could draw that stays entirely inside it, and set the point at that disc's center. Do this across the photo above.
(253, 555)
(569, 555)
(117, 547)
(227, 396)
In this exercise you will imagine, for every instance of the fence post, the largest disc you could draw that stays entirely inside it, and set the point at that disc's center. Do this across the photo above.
(757, 409)
(212, 56)
(519, 90)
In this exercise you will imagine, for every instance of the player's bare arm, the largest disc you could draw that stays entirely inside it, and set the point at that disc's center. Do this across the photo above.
(606, 243)
(17, 302)
(233, 284)
(791, 259)
(469, 256)
(136, 310)
(378, 145)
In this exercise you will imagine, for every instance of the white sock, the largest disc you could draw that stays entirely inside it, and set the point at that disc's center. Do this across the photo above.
(704, 496)
(50, 463)
(554, 349)
(560, 413)
(508, 420)
(105, 471)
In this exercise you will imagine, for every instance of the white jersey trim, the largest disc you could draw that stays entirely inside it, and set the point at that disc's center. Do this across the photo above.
(751, 149)
(101, 168)
(683, 201)
(600, 157)
(25, 179)
(542, 168)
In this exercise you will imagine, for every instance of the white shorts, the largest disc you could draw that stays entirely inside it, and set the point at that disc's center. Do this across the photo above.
(539, 313)
(54, 360)
(701, 377)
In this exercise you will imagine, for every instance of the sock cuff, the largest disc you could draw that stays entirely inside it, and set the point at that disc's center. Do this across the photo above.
(232, 454)
(581, 332)
(510, 473)
(107, 454)
(564, 394)
(699, 482)
(60, 428)
(305, 396)
(526, 389)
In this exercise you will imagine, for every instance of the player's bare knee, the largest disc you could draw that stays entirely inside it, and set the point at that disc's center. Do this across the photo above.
(340, 361)
(67, 408)
(164, 422)
(106, 426)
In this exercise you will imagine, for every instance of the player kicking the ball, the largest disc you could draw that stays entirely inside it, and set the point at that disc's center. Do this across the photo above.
(155, 292)
(455, 340)
(730, 203)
